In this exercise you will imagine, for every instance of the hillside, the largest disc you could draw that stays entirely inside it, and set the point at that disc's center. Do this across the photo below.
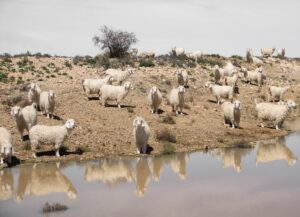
(108, 130)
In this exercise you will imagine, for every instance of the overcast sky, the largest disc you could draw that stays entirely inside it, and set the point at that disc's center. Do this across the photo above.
(227, 27)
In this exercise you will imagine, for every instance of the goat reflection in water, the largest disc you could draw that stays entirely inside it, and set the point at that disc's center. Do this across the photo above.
(110, 171)
(232, 157)
(267, 151)
(273, 150)
(6, 184)
(113, 171)
(146, 170)
(42, 179)
(177, 161)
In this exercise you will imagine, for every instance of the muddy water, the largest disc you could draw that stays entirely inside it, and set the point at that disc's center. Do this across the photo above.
(259, 180)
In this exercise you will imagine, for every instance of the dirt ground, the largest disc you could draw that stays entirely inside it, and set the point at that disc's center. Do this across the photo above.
(103, 131)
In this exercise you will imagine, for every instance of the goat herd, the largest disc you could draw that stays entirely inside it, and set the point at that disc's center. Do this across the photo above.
(223, 88)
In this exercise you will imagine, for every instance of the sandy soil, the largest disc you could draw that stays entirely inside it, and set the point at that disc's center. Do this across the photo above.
(106, 131)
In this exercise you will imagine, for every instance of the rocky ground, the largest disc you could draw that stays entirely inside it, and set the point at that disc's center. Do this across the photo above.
(106, 131)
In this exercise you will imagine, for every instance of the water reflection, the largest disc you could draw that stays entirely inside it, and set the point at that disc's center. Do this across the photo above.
(114, 171)
(272, 150)
(111, 171)
(6, 184)
(157, 165)
(177, 161)
(232, 157)
(179, 165)
(42, 179)
(142, 176)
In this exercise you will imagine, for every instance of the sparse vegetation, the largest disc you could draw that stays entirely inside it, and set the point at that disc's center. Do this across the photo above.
(130, 110)
(26, 146)
(237, 57)
(186, 106)
(203, 111)
(23, 62)
(168, 119)
(220, 140)
(11, 100)
(180, 61)
(82, 149)
(165, 135)
(68, 64)
(168, 148)
(143, 89)
(103, 61)
(146, 63)
(3, 77)
(211, 60)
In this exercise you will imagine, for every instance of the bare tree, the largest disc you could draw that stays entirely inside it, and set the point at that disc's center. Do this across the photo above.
(117, 43)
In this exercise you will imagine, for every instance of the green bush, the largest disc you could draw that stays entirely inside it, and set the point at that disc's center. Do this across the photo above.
(11, 78)
(130, 110)
(46, 55)
(51, 65)
(210, 60)
(102, 61)
(214, 55)
(91, 61)
(38, 55)
(68, 64)
(20, 81)
(77, 59)
(23, 62)
(191, 64)
(237, 57)
(168, 148)
(146, 63)
(7, 55)
(115, 63)
(6, 60)
(3, 77)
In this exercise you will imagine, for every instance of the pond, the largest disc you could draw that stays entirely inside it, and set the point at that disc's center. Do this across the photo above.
(258, 180)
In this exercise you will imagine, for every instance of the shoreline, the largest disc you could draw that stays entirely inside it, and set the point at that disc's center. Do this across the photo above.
(79, 158)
